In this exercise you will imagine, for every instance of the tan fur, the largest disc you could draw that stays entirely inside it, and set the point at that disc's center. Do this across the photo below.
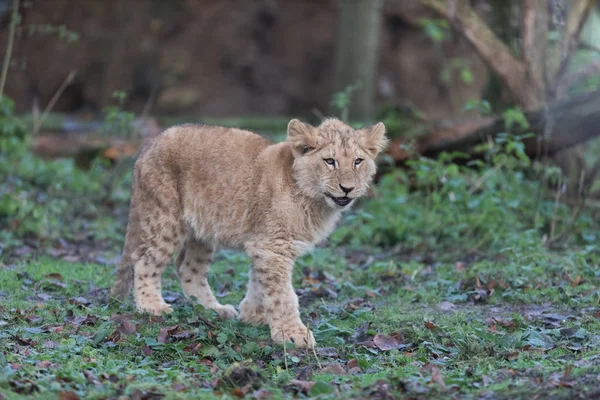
(196, 187)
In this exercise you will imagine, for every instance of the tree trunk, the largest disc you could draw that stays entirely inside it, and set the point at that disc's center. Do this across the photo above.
(357, 56)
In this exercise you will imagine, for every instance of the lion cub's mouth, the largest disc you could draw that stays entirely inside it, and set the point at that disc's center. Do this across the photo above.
(340, 201)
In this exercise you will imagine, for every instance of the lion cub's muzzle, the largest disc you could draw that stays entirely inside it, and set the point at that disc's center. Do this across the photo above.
(340, 201)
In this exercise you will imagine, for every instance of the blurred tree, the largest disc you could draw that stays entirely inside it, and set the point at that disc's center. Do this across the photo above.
(539, 74)
(357, 55)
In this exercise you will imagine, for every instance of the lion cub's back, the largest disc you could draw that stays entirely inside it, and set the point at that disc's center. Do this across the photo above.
(210, 151)
(214, 172)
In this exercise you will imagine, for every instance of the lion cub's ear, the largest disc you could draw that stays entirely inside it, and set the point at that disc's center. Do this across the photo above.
(374, 139)
(302, 137)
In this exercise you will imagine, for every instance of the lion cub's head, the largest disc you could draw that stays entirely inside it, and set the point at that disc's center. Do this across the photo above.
(334, 161)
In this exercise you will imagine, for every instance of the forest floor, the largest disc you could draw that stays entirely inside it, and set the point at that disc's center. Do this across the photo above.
(470, 285)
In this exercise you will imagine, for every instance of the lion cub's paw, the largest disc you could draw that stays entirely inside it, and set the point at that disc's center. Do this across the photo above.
(253, 315)
(299, 335)
(155, 308)
(226, 311)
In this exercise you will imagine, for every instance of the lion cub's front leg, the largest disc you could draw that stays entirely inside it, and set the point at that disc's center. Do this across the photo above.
(273, 270)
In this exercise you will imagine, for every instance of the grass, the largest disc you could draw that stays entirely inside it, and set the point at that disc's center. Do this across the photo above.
(450, 333)
(451, 280)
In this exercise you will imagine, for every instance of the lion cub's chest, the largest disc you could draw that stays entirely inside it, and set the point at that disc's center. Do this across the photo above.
(314, 231)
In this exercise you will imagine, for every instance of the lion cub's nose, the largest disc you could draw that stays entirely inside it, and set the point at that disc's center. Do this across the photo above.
(346, 190)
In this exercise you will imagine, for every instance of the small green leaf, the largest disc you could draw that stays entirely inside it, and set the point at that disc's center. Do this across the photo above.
(321, 387)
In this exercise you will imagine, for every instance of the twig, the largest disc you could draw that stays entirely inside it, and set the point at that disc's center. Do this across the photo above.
(485, 177)
(38, 122)
(149, 103)
(313, 346)
(397, 250)
(590, 47)
(555, 211)
(318, 114)
(284, 350)
(14, 19)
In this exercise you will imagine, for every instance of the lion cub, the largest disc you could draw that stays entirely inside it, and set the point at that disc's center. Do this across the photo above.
(196, 187)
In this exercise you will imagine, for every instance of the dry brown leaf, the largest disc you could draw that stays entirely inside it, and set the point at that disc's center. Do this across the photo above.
(303, 386)
(165, 332)
(430, 325)
(126, 328)
(436, 376)
(384, 342)
(70, 395)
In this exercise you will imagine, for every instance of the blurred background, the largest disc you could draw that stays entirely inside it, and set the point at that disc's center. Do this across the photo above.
(239, 57)
(86, 83)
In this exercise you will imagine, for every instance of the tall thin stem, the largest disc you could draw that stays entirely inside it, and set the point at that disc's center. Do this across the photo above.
(11, 37)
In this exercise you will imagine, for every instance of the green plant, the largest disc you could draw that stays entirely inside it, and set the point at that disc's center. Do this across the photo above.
(437, 30)
(117, 121)
(454, 202)
(61, 31)
(460, 65)
(342, 99)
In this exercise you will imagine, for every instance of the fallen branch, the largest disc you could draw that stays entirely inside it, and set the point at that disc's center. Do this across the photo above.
(570, 80)
(557, 127)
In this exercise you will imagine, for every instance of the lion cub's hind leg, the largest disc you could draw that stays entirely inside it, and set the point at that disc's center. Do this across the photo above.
(161, 238)
(192, 267)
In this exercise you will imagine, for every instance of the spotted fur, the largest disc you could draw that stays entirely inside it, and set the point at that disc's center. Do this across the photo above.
(196, 187)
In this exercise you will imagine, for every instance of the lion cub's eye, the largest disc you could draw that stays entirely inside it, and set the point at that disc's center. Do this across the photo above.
(358, 161)
(329, 161)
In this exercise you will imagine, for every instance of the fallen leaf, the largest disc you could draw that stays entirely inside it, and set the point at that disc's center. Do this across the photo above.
(193, 348)
(361, 334)
(54, 275)
(50, 344)
(436, 376)
(567, 371)
(80, 301)
(334, 369)
(384, 342)
(261, 394)
(121, 317)
(126, 328)
(446, 306)
(303, 386)
(327, 352)
(165, 332)
(242, 391)
(87, 320)
(70, 395)
(44, 296)
(181, 335)
(178, 387)
(34, 330)
(430, 325)
(146, 350)
(91, 377)
(44, 364)
(576, 281)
